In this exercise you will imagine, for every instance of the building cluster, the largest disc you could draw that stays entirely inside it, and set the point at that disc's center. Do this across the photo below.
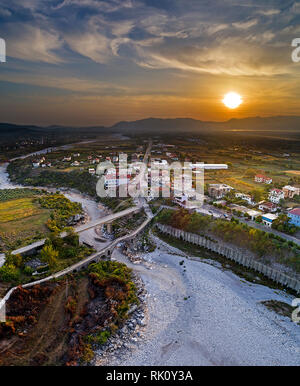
(268, 210)
(41, 163)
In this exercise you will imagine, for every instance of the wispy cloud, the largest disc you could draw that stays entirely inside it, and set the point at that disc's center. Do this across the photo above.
(182, 35)
(33, 44)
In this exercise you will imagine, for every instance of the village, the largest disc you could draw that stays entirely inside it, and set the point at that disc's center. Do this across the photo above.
(220, 199)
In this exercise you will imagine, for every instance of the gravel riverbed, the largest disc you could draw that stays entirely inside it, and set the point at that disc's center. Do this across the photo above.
(200, 314)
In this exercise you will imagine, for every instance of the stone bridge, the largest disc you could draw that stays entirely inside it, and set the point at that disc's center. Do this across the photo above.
(105, 252)
(32, 248)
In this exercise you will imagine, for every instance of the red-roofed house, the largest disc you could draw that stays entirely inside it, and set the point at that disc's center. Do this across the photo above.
(262, 179)
(268, 207)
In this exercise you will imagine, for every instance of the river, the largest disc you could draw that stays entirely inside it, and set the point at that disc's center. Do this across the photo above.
(92, 209)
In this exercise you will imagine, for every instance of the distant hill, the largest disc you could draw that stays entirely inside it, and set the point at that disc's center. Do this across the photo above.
(155, 126)
(188, 125)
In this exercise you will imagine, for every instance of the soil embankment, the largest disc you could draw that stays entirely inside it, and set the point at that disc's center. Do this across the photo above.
(60, 323)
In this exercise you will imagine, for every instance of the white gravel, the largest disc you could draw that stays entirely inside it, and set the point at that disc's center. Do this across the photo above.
(221, 323)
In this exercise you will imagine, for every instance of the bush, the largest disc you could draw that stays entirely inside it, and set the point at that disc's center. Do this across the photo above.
(9, 273)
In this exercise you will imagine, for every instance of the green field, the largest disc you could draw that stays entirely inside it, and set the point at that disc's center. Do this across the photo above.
(21, 221)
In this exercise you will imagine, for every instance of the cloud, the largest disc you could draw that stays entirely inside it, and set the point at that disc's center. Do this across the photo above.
(92, 45)
(187, 36)
(104, 6)
(33, 44)
(74, 84)
(269, 12)
(246, 24)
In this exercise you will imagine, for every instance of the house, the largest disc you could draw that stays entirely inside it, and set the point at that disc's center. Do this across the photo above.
(260, 178)
(268, 219)
(290, 191)
(276, 195)
(218, 190)
(186, 202)
(268, 207)
(75, 163)
(67, 159)
(294, 216)
(35, 164)
(253, 214)
(239, 208)
(92, 171)
(245, 197)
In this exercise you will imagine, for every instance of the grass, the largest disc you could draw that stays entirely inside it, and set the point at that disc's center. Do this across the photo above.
(17, 209)
(21, 221)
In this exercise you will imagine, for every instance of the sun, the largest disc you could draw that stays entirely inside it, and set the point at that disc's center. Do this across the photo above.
(232, 100)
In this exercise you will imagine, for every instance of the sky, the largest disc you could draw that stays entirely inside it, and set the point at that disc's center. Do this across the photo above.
(97, 62)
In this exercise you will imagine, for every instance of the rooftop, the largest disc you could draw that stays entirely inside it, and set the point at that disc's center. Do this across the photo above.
(270, 216)
(295, 211)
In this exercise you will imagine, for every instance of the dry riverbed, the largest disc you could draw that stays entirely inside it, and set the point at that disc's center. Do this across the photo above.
(200, 314)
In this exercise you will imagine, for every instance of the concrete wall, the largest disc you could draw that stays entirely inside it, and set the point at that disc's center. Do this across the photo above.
(232, 254)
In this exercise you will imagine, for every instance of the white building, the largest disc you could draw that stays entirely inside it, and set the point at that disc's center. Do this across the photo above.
(268, 219)
(253, 214)
(276, 195)
(245, 197)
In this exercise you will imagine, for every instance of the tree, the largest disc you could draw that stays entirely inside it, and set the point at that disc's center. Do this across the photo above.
(9, 273)
(16, 260)
(257, 195)
(49, 255)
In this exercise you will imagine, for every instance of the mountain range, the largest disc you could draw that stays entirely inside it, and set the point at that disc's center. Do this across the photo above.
(156, 126)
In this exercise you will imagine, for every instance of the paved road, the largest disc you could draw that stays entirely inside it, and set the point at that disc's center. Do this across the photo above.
(218, 213)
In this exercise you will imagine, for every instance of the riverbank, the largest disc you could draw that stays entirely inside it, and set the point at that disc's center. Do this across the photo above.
(200, 314)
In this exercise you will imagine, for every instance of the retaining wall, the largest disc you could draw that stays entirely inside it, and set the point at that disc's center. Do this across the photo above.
(232, 254)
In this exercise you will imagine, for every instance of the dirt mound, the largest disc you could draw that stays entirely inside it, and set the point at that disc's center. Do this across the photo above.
(57, 323)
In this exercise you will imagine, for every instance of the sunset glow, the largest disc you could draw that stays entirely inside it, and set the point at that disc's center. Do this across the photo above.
(232, 100)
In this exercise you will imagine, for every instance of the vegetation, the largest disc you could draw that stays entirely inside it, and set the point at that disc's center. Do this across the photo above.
(282, 224)
(27, 215)
(263, 244)
(57, 254)
(12, 194)
(62, 210)
(116, 280)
